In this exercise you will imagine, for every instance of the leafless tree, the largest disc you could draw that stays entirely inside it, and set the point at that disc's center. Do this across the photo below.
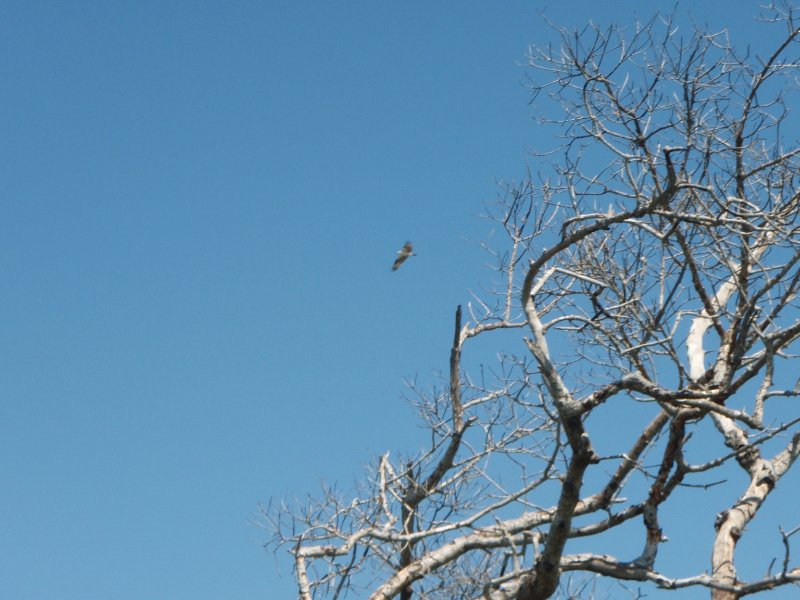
(650, 276)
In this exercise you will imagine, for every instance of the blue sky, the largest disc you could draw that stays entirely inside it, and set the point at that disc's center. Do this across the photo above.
(200, 205)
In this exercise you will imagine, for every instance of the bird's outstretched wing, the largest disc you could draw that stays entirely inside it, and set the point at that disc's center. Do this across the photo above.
(402, 255)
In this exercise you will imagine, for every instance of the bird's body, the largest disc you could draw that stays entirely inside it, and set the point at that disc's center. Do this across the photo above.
(402, 255)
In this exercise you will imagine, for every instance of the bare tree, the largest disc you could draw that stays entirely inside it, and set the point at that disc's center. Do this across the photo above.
(650, 275)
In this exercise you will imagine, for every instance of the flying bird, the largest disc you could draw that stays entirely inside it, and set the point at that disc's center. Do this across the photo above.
(402, 255)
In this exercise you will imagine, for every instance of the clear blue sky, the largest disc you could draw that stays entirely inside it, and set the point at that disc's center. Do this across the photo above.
(200, 205)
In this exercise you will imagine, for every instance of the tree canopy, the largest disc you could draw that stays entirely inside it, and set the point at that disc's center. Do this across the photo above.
(644, 321)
